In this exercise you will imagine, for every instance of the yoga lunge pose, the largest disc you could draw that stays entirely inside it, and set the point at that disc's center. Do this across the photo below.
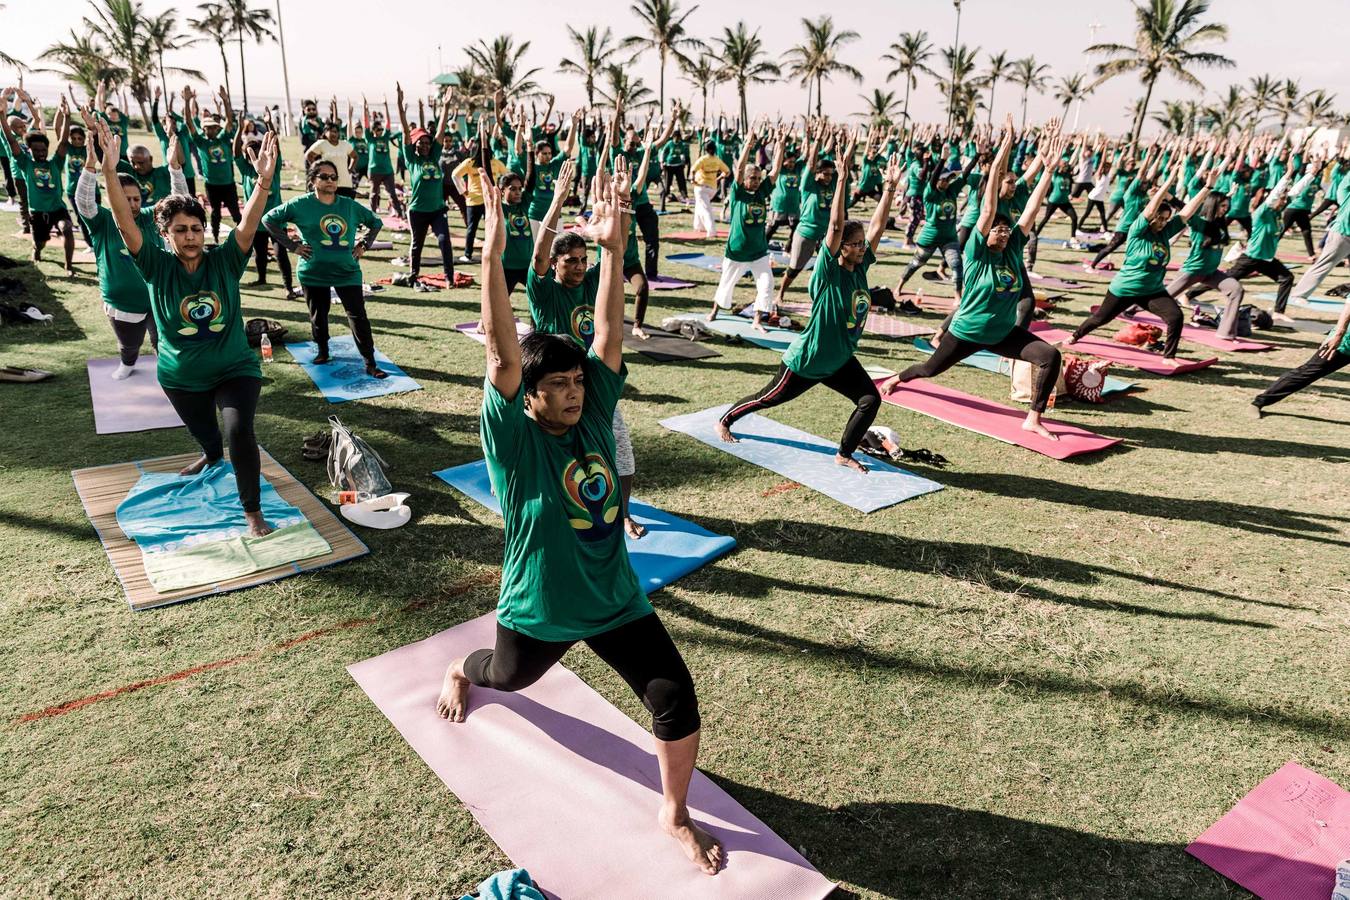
(426, 205)
(1332, 356)
(40, 169)
(330, 256)
(786, 201)
(634, 272)
(1259, 256)
(941, 189)
(1133, 198)
(747, 248)
(566, 577)
(994, 278)
(1335, 248)
(1209, 241)
(840, 303)
(205, 361)
(818, 190)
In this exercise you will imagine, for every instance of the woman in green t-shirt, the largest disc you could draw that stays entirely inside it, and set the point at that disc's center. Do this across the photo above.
(566, 575)
(987, 316)
(205, 362)
(747, 248)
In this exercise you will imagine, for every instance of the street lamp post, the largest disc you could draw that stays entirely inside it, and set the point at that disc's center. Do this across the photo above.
(1092, 38)
(956, 50)
(285, 73)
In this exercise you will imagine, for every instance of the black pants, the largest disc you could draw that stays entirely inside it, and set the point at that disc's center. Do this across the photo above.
(1245, 222)
(261, 240)
(1019, 344)
(1160, 304)
(641, 652)
(649, 225)
(1297, 379)
(1303, 219)
(1100, 208)
(1326, 204)
(130, 335)
(781, 219)
(19, 190)
(1050, 209)
(419, 222)
(515, 278)
(1245, 267)
(475, 215)
(1115, 207)
(915, 217)
(851, 380)
(192, 184)
(320, 299)
(1080, 188)
(218, 195)
(349, 192)
(1117, 239)
(237, 400)
(452, 194)
(386, 182)
(671, 175)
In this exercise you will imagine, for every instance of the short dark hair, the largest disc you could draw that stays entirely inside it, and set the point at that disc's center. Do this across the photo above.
(565, 243)
(709, 147)
(542, 145)
(543, 354)
(125, 180)
(505, 181)
(313, 171)
(177, 204)
(852, 228)
(823, 164)
(37, 137)
(1001, 219)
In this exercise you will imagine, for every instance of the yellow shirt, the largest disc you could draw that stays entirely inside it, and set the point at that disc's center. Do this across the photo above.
(706, 170)
(472, 175)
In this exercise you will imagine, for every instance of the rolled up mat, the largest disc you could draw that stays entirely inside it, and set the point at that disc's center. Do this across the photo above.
(666, 283)
(344, 376)
(686, 236)
(1089, 246)
(672, 548)
(1282, 841)
(1330, 304)
(567, 785)
(993, 420)
(734, 326)
(1056, 284)
(1125, 354)
(992, 362)
(805, 459)
(136, 403)
(382, 245)
(1197, 335)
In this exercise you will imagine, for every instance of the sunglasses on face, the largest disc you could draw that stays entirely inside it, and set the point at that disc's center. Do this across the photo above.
(325, 177)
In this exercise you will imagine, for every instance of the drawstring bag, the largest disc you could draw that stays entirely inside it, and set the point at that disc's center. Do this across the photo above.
(1138, 335)
(353, 465)
(255, 328)
(1244, 321)
(1085, 378)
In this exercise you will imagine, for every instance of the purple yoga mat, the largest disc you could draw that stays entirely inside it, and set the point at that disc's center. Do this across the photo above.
(1055, 284)
(136, 403)
(666, 283)
(568, 786)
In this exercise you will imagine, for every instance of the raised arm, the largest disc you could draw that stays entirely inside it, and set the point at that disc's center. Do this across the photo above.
(266, 166)
(747, 147)
(445, 117)
(1054, 150)
(402, 110)
(1155, 201)
(609, 228)
(229, 112)
(123, 214)
(992, 184)
(890, 184)
(838, 206)
(548, 227)
(1193, 204)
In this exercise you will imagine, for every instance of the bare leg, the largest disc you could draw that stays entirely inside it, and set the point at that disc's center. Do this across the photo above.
(454, 697)
(68, 236)
(676, 759)
(630, 525)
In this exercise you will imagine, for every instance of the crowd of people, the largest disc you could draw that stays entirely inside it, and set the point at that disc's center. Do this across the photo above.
(560, 456)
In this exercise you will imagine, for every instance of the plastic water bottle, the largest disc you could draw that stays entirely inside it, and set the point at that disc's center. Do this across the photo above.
(918, 298)
(266, 346)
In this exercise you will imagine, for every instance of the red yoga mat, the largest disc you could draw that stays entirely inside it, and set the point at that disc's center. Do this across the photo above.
(1283, 840)
(993, 420)
(1197, 335)
(1124, 354)
(569, 787)
(696, 235)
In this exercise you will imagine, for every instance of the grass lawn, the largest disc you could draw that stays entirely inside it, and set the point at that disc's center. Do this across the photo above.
(1042, 681)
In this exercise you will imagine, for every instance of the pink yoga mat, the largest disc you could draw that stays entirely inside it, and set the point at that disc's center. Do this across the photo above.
(1197, 335)
(470, 330)
(395, 223)
(136, 403)
(695, 235)
(568, 786)
(1283, 840)
(1125, 354)
(993, 419)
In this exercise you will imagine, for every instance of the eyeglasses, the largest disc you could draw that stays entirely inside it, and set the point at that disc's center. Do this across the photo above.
(854, 243)
(325, 177)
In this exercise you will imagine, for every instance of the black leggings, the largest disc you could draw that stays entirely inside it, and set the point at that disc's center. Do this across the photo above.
(1297, 379)
(386, 182)
(915, 217)
(320, 299)
(237, 400)
(1245, 222)
(218, 195)
(419, 222)
(649, 224)
(1117, 238)
(130, 335)
(1303, 219)
(781, 219)
(261, 240)
(641, 652)
(1245, 267)
(475, 215)
(1115, 207)
(851, 380)
(1050, 209)
(670, 175)
(1326, 204)
(1160, 304)
(1100, 207)
(1019, 344)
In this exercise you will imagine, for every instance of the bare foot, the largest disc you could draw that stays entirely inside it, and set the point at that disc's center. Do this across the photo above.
(850, 462)
(257, 525)
(757, 325)
(454, 699)
(633, 529)
(1037, 428)
(725, 434)
(640, 333)
(478, 329)
(703, 850)
(712, 316)
(196, 467)
(375, 371)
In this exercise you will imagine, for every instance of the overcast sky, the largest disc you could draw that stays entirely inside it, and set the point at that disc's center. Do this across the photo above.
(341, 46)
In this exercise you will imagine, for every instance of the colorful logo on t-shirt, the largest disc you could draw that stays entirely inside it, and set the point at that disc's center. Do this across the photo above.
(380, 147)
(431, 173)
(791, 182)
(1007, 280)
(545, 181)
(857, 314)
(946, 210)
(592, 496)
(202, 315)
(518, 226)
(1158, 255)
(334, 229)
(755, 214)
(583, 324)
(42, 178)
(215, 154)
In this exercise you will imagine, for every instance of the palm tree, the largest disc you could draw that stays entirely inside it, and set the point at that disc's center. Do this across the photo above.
(1032, 76)
(1226, 114)
(163, 34)
(1071, 88)
(704, 74)
(998, 67)
(253, 24)
(663, 23)
(82, 61)
(958, 88)
(816, 60)
(1319, 107)
(122, 28)
(910, 56)
(621, 90)
(214, 25)
(742, 56)
(881, 107)
(1172, 118)
(1288, 96)
(473, 88)
(1167, 33)
(499, 62)
(593, 54)
(1261, 97)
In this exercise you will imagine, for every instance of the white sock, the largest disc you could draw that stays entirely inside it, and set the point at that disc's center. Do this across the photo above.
(123, 371)
(1342, 889)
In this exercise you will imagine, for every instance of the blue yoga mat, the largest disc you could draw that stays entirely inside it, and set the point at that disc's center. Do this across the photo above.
(992, 362)
(672, 548)
(698, 261)
(344, 377)
(806, 459)
(728, 325)
(1330, 304)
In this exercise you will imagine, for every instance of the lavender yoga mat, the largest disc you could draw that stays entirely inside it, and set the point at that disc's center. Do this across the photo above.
(666, 283)
(136, 403)
(1283, 840)
(568, 786)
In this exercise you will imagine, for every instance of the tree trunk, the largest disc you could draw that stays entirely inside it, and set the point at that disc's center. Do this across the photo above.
(740, 89)
(243, 75)
(1143, 111)
(661, 83)
(820, 87)
(993, 83)
(225, 60)
(907, 84)
(1023, 126)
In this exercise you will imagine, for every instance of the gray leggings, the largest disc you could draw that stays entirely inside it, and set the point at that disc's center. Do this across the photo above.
(130, 335)
(1220, 281)
(950, 252)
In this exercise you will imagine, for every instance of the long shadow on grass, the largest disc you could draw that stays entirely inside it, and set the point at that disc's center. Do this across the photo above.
(1194, 442)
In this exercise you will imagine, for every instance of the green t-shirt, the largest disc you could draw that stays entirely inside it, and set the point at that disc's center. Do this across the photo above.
(425, 179)
(311, 128)
(1147, 253)
(249, 176)
(1202, 260)
(1342, 222)
(330, 231)
(587, 159)
(1136, 198)
(914, 175)
(519, 252)
(840, 303)
(75, 158)
(562, 310)
(993, 285)
(545, 175)
(215, 157)
(155, 185)
(746, 241)
(939, 214)
(674, 153)
(43, 180)
(1061, 183)
(565, 569)
(379, 147)
(1239, 193)
(119, 280)
(814, 212)
(787, 190)
(184, 141)
(634, 157)
(1265, 239)
(198, 316)
(362, 148)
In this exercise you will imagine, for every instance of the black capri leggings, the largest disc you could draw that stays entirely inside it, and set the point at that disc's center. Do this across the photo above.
(320, 299)
(218, 195)
(1160, 304)
(419, 222)
(650, 228)
(671, 176)
(1303, 219)
(1297, 379)
(780, 219)
(1019, 344)
(130, 335)
(237, 400)
(641, 652)
(851, 380)
(1117, 239)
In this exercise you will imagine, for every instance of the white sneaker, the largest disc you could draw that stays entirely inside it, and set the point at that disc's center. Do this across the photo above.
(123, 371)
(465, 258)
